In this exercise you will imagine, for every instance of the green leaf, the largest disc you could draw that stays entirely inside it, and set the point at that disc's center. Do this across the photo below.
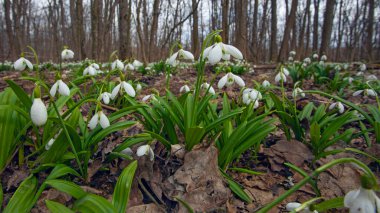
(235, 188)
(61, 170)
(67, 187)
(123, 186)
(185, 204)
(100, 135)
(21, 94)
(158, 137)
(248, 171)
(329, 204)
(55, 207)
(91, 203)
(1, 195)
(22, 199)
(193, 136)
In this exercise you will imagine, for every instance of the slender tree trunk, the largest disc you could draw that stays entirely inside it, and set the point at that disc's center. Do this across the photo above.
(273, 36)
(225, 23)
(371, 16)
(254, 31)
(94, 28)
(194, 32)
(301, 40)
(8, 26)
(288, 27)
(315, 25)
(340, 32)
(327, 26)
(80, 28)
(154, 28)
(241, 26)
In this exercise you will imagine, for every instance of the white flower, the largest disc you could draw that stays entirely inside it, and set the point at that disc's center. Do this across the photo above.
(147, 97)
(62, 88)
(99, 118)
(337, 105)
(349, 79)
(123, 86)
(372, 78)
(215, 52)
(117, 64)
(315, 56)
(363, 67)
(298, 91)
(265, 83)
(229, 79)
(324, 58)
(106, 96)
(226, 57)
(67, 54)
(137, 63)
(180, 54)
(285, 71)
(307, 60)
(292, 53)
(290, 58)
(294, 205)
(367, 92)
(184, 89)
(138, 87)
(21, 64)
(280, 77)
(362, 200)
(127, 151)
(206, 86)
(251, 95)
(38, 112)
(129, 66)
(145, 150)
(49, 144)
(92, 69)
(359, 73)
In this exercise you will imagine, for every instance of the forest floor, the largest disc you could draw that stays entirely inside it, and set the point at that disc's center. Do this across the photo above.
(153, 187)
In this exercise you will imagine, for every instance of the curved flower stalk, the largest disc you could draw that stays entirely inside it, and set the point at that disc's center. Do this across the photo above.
(38, 111)
(366, 92)
(206, 86)
(99, 118)
(229, 79)
(105, 97)
(338, 105)
(184, 89)
(117, 64)
(123, 86)
(265, 84)
(67, 54)
(145, 150)
(22, 63)
(294, 205)
(92, 69)
(180, 54)
(137, 63)
(298, 92)
(215, 52)
(62, 88)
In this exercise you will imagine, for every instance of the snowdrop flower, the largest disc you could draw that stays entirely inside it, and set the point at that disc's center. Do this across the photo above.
(99, 118)
(117, 64)
(184, 89)
(138, 87)
(294, 205)
(307, 60)
(280, 77)
(137, 63)
(38, 112)
(372, 78)
(367, 92)
(129, 66)
(363, 67)
(92, 69)
(127, 151)
(251, 95)
(290, 59)
(180, 54)
(67, 54)
(315, 56)
(324, 58)
(226, 57)
(298, 91)
(215, 52)
(62, 88)
(49, 144)
(145, 150)
(359, 73)
(362, 200)
(123, 86)
(229, 79)
(22, 63)
(285, 71)
(147, 97)
(106, 96)
(338, 106)
(265, 84)
(206, 86)
(349, 79)
(292, 53)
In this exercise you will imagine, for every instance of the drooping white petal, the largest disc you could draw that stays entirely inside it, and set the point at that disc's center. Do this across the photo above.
(238, 80)
(226, 57)
(63, 89)
(371, 92)
(137, 63)
(215, 54)
(291, 206)
(246, 98)
(206, 86)
(266, 83)
(20, 64)
(211, 90)
(38, 112)
(49, 144)
(340, 107)
(128, 89)
(186, 54)
(106, 97)
(103, 120)
(280, 76)
(357, 93)
(332, 106)
(235, 52)
(127, 151)
(53, 89)
(94, 121)
(115, 91)
(92, 70)
(361, 200)
(138, 87)
(256, 104)
(172, 58)
(145, 98)
(184, 88)
(206, 52)
(255, 95)
(151, 154)
(142, 150)
(286, 71)
(28, 63)
(222, 82)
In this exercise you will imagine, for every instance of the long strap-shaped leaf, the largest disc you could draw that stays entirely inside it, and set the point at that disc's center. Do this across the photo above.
(22, 199)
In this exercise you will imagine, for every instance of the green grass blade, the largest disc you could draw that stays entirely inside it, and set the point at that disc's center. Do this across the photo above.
(55, 207)
(123, 186)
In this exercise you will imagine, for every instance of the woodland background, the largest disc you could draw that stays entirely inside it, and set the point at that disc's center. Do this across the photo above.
(264, 30)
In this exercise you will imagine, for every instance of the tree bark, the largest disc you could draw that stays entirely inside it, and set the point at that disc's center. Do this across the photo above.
(153, 29)
(371, 16)
(288, 27)
(194, 32)
(241, 26)
(327, 26)
(315, 25)
(254, 31)
(225, 23)
(273, 36)
(8, 26)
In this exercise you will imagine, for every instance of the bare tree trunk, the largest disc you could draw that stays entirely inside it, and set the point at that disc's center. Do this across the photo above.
(139, 31)
(254, 31)
(371, 16)
(225, 23)
(327, 26)
(94, 28)
(80, 28)
(288, 27)
(273, 36)
(340, 33)
(263, 30)
(301, 40)
(154, 28)
(315, 25)
(194, 32)
(241, 26)
(8, 26)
